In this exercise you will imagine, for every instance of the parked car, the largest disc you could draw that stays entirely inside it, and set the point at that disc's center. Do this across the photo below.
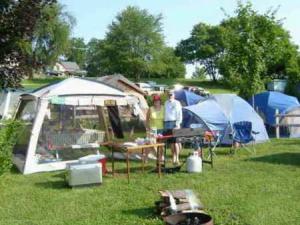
(197, 90)
(147, 88)
(160, 87)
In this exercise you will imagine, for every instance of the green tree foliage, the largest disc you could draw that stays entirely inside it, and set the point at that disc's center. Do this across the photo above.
(133, 38)
(77, 52)
(51, 36)
(95, 58)
(247, 49)
(204, 46)
(133, 46)
(199, 73)
(17, 25)
(9, 132)
(257, 48)
(167, 64)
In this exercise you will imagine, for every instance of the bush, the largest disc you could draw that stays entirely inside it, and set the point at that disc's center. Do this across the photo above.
(163, 96)
(9, 133)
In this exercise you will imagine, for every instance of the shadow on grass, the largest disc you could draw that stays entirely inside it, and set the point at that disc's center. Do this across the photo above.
(57, 184)
(147, 212)
(288, 158)
(14, 170)
(135, 169)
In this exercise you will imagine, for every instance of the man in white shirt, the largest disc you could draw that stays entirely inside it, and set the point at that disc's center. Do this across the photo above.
(172, 120)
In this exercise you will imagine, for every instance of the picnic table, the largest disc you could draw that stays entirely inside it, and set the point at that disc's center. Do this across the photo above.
(133, 150)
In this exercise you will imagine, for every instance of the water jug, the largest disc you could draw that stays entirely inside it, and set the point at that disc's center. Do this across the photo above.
(153, 135)
(194, 163)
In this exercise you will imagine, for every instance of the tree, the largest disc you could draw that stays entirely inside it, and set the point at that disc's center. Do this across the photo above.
(199, 73)
(17, 22)
(51, 36)
(133, 39)
(166, 63)
(204, 46)
(256, 48)
(133, 46)
(77, 52)
(95, 59)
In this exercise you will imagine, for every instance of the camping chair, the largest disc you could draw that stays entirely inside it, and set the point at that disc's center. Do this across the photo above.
(215, 142)
(242, 133)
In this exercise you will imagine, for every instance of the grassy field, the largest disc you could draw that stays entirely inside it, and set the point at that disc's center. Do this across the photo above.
(245, 189)
(212, 87)
(38, 82)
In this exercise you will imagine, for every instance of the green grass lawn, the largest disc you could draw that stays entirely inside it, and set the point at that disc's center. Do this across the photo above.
(212, 87)
(245, 189)
(38, 82)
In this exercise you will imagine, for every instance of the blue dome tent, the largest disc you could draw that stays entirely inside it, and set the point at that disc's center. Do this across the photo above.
(219, 112)
(187, 97)
(267, 102)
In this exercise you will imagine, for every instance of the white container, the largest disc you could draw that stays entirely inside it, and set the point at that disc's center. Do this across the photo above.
(84, 174)
(194, 163)
(91, 159)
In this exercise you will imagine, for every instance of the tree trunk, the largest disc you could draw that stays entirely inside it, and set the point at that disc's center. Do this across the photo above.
(138, 77)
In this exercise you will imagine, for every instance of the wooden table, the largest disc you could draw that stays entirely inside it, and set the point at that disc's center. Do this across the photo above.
(137, 149)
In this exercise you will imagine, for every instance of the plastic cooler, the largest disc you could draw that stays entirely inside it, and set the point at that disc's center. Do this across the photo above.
(95, 158)
(79, 174)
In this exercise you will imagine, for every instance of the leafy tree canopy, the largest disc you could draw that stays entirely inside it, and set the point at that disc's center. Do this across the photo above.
(17, 25)
(77, 52)
(51, 37)
(256, 48)
(134, 46)
(95, 59)
(132, 37)
(246, 48)
(204, 46)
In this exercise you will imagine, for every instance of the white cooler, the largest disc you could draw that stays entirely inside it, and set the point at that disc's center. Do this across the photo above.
(79, 174)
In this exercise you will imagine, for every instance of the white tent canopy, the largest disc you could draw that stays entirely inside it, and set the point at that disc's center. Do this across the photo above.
(77, 86)
(289, 119)
(9, 99)
(65, 121)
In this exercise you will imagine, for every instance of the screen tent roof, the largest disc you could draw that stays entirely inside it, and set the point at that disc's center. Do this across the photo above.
(76, 86)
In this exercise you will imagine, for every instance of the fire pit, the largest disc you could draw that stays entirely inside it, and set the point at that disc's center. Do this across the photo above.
(189, 218)
(182, 207)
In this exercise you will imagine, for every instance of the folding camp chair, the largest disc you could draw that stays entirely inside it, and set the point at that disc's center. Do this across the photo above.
(214, 141)
(242, 134)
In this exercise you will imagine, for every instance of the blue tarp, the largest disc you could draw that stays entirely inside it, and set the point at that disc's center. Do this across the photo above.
(219, 112)
(187, 97)
(267, 103)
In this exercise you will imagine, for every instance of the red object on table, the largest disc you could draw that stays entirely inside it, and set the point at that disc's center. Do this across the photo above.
(164, 137)
(103, 162)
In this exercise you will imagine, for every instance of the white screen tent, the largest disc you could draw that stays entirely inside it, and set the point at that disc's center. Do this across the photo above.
(64, 121)
(9, 99)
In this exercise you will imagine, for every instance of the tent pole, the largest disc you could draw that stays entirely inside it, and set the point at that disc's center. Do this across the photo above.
(6, 106)
(277, 123)
(30, 161)
(102, 119)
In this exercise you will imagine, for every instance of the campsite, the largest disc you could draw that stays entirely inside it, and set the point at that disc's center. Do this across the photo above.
(237, 187)
(137, 112)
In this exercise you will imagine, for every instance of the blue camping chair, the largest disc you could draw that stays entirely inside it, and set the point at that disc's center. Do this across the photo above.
(242, 133)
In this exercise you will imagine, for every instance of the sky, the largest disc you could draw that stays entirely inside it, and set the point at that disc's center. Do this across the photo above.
(179, 16)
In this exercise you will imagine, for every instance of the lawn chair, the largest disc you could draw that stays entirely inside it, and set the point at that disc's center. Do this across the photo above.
(242, 134)
(216, 141)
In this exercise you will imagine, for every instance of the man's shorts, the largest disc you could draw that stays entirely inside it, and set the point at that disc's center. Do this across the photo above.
(168, 130)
